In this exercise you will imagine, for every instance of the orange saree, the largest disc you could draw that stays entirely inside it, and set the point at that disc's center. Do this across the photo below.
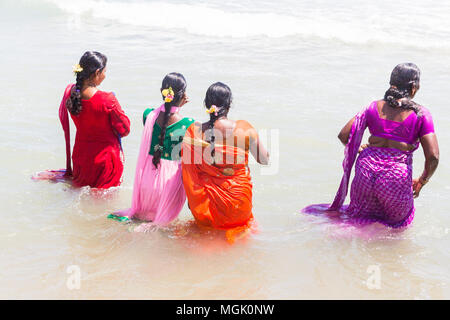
(220, 194)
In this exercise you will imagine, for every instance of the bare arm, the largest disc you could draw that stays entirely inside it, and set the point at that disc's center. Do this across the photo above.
(431, 152)
(253, 143)
(345, 132)
(258, 150)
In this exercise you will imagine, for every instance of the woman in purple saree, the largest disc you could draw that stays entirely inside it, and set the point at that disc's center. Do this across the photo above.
(383, 189)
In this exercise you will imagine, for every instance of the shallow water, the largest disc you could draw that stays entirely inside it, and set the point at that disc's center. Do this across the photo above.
(301, 70)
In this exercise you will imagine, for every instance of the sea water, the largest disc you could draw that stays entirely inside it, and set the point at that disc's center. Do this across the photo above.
(299, 70)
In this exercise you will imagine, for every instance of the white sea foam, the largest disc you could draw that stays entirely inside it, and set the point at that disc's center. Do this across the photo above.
(361, 25)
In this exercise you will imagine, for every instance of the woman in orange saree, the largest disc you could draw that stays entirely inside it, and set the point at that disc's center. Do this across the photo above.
(215, 169)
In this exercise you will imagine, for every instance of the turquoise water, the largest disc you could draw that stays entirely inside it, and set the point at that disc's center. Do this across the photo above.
(298, 69)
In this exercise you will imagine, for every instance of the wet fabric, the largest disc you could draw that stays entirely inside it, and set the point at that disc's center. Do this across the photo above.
(158, 193)
(219, 194)
(409, 130)
(172, 139)
(97, 154)
(382, 188)
(61, 174)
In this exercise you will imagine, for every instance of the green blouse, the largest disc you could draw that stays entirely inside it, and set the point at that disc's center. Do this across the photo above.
(173, 138)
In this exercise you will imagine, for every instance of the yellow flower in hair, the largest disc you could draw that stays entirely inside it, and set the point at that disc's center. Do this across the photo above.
(168, 94)
(211, 110)
(77, 69)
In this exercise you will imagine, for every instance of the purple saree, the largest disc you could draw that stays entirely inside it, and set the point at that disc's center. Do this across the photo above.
(381, 190)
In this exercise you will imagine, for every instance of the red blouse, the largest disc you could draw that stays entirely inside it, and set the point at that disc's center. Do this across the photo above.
(97, 160)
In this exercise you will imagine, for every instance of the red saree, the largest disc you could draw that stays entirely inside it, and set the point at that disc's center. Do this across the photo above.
(97, 158)
(97, 154)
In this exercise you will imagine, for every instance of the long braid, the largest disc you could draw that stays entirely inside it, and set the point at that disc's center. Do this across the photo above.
(213, 117)
(177, 83)
(89, 64)
(158, 152)
(218, 95)
(73, 104)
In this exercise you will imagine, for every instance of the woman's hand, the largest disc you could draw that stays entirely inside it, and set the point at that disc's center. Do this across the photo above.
(417, 186)
(362, 147)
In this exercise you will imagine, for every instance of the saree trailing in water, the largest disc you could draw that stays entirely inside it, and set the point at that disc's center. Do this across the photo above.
(158, 194)
(219, 194)
(382, 188)
(61, 174)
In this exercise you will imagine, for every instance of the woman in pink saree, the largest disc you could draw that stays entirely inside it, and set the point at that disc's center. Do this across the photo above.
(383, 189)
(158, 193)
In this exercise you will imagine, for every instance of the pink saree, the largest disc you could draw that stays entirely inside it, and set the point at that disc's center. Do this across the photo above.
(158, 193)
(382, 187)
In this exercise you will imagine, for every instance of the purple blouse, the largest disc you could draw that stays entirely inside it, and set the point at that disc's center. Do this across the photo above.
(408, 131)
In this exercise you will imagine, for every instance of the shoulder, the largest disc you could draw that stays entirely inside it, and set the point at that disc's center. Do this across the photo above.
(194, 129)
(187, 121)
(374, 105)
(243, 127)
(425, 116)
(424, 111)
(146, 113)
(69, 88)
(425, 122)
(109, 99)
(104, 95)
(196, 125)
(183, 124)
(372, 109)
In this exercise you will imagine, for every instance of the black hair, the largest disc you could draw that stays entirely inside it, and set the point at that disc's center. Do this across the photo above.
(404, 78)
(91, 61)
(177, 82)
(219, 95)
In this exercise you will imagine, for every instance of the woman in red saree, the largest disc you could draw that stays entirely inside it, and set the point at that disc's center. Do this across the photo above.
(215, 169)
(100, 122)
